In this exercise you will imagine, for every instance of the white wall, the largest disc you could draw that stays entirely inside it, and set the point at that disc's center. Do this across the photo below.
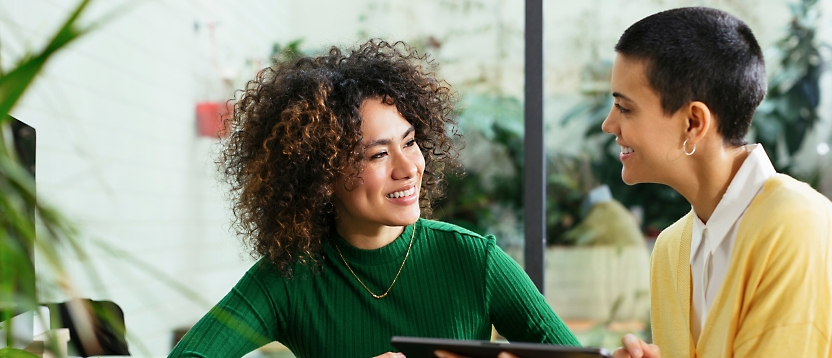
(118, 151)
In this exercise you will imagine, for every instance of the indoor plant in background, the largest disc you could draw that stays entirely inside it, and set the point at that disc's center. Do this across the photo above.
(488, 197)
(596, 260)
(21, 208)
(56, 241)
(601, 280)
(18, 200)
(790, 109)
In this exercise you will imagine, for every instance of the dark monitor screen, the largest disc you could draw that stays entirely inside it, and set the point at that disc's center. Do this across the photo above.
(21, 138)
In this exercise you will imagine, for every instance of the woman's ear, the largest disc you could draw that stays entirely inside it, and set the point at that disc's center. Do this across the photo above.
(700, 119)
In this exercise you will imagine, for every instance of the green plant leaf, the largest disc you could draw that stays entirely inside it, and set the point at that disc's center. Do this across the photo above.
(15, 82)
(789, 110)
(15, 353)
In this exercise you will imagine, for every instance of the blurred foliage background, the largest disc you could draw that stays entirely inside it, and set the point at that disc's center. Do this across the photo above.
(482, 199)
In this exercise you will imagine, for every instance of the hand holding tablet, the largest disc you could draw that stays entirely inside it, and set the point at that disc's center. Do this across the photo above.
(418, 347)
(446, 354)
(636, 348)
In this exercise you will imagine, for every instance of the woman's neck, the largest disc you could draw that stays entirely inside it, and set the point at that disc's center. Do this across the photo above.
(708, 177)
(369, 238)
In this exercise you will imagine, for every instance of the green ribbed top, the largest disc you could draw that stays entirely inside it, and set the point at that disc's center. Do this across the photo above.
(455, 284)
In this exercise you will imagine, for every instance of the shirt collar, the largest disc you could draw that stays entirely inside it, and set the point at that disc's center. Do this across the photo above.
(745, 185)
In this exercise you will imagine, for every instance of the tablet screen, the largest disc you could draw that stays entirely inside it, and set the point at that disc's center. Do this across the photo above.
(418, 347)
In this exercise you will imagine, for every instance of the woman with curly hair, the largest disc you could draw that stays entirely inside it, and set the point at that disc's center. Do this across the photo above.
(332, 161)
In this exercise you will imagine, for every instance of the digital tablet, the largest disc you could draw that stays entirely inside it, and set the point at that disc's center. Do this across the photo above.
(418, 347)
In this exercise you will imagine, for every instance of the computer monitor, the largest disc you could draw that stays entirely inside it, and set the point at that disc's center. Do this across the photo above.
(21, 138)
(24, 137)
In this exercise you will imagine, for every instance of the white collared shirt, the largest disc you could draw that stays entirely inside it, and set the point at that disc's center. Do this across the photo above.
(711, 243)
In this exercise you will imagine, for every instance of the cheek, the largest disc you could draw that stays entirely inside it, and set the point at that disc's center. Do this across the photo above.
(420, 163)
(372, 179)
(345, 185)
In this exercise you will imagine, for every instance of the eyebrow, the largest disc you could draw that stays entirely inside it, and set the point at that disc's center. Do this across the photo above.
(621, 96)
(387, 141)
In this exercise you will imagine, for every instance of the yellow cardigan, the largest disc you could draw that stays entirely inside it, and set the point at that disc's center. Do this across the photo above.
(776, 300)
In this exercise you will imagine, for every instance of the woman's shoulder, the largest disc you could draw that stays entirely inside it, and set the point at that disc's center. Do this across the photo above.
(787, 194)
(457, 246)
(676, 229)
(669, 239)
(792, 209)
(266, 272)
(450, 233)
(788, 201)
(446, 227)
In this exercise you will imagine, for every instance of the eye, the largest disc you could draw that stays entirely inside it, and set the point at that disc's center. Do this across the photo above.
(621, 110)
(410, 142)
(378, 155)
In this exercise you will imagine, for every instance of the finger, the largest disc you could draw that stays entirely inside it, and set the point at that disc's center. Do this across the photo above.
(391, 355)
(633, 345)
(446, 354)
(650, 350)
(506, 355)
(621, 353)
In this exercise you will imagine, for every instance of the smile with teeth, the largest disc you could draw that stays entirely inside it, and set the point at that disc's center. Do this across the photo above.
(626, 150)
(403, 193)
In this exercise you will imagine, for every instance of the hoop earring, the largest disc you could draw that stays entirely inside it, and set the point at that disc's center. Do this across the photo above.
(329, 207)
(685, 148)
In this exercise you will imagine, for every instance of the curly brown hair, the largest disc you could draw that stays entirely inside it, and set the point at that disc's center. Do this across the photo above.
(296, 127)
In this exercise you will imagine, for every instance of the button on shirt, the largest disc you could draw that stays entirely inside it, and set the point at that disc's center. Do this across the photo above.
(711, 243)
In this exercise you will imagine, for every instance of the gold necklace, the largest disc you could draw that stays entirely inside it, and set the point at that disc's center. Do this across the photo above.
(394, 278)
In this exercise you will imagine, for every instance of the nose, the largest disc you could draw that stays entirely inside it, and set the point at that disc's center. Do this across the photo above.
(405, 167)
(609, 126)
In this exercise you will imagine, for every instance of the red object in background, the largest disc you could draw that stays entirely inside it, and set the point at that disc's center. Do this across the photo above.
(211, 118)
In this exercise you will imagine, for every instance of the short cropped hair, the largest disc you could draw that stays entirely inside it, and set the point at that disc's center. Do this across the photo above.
(701, 54)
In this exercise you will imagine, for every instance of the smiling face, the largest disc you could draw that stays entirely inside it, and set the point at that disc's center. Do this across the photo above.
(650, 140)
(386, 192)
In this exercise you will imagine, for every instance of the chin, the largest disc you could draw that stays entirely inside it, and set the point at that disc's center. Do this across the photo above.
(628, 179)
(404, 219)
(414, 217)
(410, 219)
